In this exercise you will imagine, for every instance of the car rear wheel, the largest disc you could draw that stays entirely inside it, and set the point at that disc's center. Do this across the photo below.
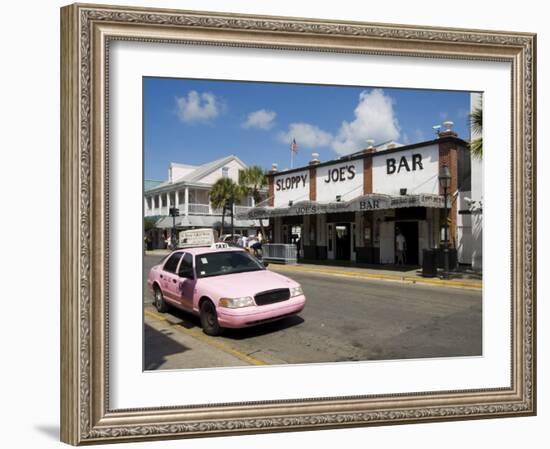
(159, 302)
(209, 319)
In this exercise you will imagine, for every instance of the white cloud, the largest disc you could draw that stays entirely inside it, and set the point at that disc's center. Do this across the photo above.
(198, 107)
(306, 135)
(263, 119)
(419, 135)
(374, 119)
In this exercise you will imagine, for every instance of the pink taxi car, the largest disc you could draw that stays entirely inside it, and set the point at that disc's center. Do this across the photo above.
(226, 287)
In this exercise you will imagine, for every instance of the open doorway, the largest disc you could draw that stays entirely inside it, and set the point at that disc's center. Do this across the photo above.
(343, 241)
(409, 229)
(296, 239)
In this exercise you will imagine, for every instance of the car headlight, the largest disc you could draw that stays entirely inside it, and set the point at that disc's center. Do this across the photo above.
(296, 291)
(236, 303)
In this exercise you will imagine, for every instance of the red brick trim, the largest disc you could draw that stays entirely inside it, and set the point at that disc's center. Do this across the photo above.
(367, 175)
(312, 184)
(448, 155)
(271, 191)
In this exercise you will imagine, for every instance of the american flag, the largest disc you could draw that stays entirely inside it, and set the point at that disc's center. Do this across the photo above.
(293, 146)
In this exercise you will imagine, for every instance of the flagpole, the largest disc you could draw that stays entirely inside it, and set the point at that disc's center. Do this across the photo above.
(292, 151)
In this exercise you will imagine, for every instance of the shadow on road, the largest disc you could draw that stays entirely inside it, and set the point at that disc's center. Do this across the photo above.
(263, 329)
(158, 345)
(189, 321)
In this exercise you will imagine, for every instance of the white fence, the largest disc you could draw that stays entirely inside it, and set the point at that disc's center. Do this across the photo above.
(279, 252)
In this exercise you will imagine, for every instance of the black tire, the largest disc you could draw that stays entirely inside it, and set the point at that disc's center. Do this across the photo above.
(159, 302)
(209, 319)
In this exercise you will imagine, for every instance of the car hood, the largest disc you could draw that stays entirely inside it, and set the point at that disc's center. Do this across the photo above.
(245, 284)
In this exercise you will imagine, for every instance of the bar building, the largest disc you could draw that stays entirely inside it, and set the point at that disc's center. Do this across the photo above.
(352, 207)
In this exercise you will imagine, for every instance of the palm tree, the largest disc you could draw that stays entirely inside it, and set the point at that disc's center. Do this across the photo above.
(476, 123)
(253, 180)
(225, 192)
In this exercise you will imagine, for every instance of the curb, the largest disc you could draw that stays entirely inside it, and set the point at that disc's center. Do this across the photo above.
(384, 277)
(175, 323)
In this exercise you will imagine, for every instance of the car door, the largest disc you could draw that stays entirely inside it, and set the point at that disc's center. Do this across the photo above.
(186, 281)
(169, 277)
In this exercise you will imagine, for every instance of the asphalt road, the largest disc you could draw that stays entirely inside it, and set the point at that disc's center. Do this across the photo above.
(345, 319)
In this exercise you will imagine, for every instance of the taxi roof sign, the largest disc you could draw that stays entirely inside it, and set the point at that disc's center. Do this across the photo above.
(196, 237)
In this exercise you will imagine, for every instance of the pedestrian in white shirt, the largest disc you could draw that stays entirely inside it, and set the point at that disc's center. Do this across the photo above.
(400, 247)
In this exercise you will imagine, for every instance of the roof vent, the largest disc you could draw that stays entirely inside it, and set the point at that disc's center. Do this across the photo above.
(448, 131)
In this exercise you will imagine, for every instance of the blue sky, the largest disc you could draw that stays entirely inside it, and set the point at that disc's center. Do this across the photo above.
(196, 121)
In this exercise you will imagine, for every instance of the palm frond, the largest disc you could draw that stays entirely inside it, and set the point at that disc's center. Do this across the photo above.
(476, 147)
(476, 124)
(476, 120)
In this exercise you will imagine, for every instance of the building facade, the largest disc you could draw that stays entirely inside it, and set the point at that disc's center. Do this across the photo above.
(188, 189)
(353, 207)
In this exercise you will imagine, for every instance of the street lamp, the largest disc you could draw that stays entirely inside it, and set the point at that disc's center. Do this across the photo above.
(445, 183)
(174, 212)
(229, 207)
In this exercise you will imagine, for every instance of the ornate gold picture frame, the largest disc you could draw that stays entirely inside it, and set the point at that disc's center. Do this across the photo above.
(87, 32)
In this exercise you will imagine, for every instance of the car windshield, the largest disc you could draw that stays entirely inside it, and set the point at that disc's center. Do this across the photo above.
(227, 262)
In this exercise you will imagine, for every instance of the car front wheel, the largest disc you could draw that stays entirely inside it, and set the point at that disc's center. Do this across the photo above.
(209, 319)
(159, 302)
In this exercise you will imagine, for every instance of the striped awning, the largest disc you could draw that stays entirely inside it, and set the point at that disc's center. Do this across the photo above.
(204, 221)
(372, 201)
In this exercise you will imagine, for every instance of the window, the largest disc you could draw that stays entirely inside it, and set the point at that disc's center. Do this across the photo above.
(186, 263)
(221, 263)
(172, 263)
(225, 172)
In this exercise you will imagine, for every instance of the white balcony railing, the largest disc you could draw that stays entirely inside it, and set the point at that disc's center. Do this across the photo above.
(193, 209)
(202, 209)
(241, 209)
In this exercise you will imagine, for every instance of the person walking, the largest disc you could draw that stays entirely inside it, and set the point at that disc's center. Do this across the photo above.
(242, 241)
(255, 245)
(401, 247)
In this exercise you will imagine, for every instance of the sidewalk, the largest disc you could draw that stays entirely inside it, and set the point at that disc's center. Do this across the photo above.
(157, 252)
(396, 273)
(407, 274)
